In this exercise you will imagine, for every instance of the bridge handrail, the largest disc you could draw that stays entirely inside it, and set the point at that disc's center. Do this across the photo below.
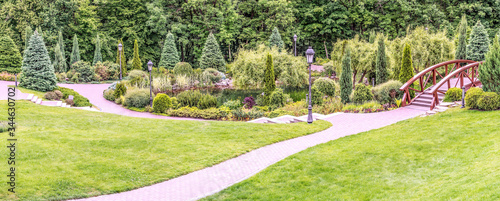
(453, 74)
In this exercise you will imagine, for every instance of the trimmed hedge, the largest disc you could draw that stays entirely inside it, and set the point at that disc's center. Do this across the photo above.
(472, 97)
(453, 94)
(361, 94)
(161, 103)
(489, 101)
(326, 86)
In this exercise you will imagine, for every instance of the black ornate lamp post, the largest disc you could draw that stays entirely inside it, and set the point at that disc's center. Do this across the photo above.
(16, 79)
(295, 44)
(150, 67)
(310, 58)
(120, 52)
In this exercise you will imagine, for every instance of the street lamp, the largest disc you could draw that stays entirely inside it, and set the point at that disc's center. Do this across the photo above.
(150, 67)
(295, 44)
(16, 79)
(120, 55)
(310, 58)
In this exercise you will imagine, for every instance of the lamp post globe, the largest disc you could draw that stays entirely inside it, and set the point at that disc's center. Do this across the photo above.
(295, 44)
(310, 59)
(120, 55)
(150, 67)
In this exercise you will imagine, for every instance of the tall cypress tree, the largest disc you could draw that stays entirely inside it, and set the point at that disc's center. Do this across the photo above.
(275, 39)
(124, 59)
(346, 77)
(489, 71)
(169, 55)
(28, 32)
(75, 53)
(60, 41)
(136, 62)
(461, 51)
(38, 72)
(212, 56)
(478, 43)
(59, 62)
(406, 67)
(10, 58)
(382, 75)
(97, 53)
(269, 79)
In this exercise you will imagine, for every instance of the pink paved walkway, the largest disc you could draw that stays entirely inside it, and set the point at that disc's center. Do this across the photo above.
(210, 180)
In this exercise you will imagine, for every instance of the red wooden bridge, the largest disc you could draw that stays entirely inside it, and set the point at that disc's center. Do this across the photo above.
(431, 84)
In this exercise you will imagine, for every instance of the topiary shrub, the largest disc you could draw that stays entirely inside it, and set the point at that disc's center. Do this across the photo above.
(138, 98)
(317, 96)
(249, 102)
(472, 97)
(189, 98)
(489, 101)
(120, 90)
(326, 86)
(161, 103)
(387, 92)
(277, 99)
(453, 94)
(207, 101)
(85, 70)
(109, 94)
(233, 104)
(183, 68)
(361, 94)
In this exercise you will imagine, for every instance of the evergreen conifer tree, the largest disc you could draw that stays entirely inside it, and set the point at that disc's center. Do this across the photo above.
(63, 52)
(346, 77)
(124, 59)
(169, 55)
(75, 53)
(59, 62)
(10, 58)
(275, 39)
(269, 81)
(212, 56)
(97, 53)
(461, 51)
(382, 75)
(406, 67)
(478, 43)
(38, 72)
(28, 32)
(136, 62)
(489, 71)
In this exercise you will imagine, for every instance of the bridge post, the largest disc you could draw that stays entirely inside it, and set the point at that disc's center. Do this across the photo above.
(449, 85)
(433, 77)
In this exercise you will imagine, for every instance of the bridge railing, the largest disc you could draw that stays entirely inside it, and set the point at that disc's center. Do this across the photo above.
(424, 76)
(469, 72)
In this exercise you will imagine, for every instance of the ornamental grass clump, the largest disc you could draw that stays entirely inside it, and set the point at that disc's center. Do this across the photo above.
(207, 101)
(189, 98)
(161, 103)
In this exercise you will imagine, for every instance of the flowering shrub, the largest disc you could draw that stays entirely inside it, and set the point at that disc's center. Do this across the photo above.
(249, 102)
(7, 76)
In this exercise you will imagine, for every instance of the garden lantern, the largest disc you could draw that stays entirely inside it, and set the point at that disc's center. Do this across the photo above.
(150, 68)
(310, 58)
(295, 44)
(120, 55)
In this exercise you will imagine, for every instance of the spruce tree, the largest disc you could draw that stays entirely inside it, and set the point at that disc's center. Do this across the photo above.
(75, 53)
(97, 52)
(28, 32)
(269, 81)
(38, 72)
(407, 67)
(461, 51)
(59, 63)
(489, 71)
(478, 43)
(63, 52)
(382, 75)
(169, 55)
(346, 77)
(124, 59)
(212, 56)
(275, 39)
(10, 57)
(136, 62)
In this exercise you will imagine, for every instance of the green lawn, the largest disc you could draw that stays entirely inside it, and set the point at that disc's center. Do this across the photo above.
(450, 156)
(68, 153)
(29, 91)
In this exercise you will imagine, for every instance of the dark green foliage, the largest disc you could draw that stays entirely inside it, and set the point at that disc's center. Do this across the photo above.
(346, 77)
(10, 58)
(75, 53)
(478, 43)
(80, 101)
(136, 62)
(277, 99)
(207, 101)
(189, 98)
(138, 98)
(461, 51)
(472, 97)
(269, 79)
(161, 103)
(123, 59)
(183, 68)
(60, 42)
(120, 90)
(97, 52)
(275, 39)
(169, 55)
(382, 73)
(233, 104)
(38, 72)
(362, 94)
(317, 96)
(453, 94)
(59, 62)
(489, 101)
(212, 56)
(28, 32)
(407, 67)
(67, 92)
(325, 86)
(387, 92)
(489, 71)
(85, 70)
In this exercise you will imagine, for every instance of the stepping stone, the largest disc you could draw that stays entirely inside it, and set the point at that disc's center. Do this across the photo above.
(446, 104)
(39, 101)
(287, 119)
(59, 103)
(63, 104)
(431, 112)
(34, 99)
(264, 120)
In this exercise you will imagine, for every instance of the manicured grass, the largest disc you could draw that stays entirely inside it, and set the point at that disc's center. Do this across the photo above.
(449, 156)
(29, 91)
(68, 153)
